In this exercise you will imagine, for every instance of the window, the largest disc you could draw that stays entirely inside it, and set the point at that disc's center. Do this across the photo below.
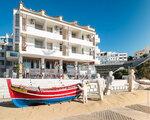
(57, 28)
(47, 65)
(49, 29)
(90, 52)
(32, 21)
(1, 47)
(1, 62)
(74, 50)
(82, 37)
(17, 20)
(16, 35)
(32, 64)
(9, 63)
(16, 47)
(9, 48)
(24, 23)
(60, 32)
(60, 46)
(13, 54)
(37, 64)
(10, 40)
(50, 46)
(38, 43)
(74, 35)
(1, 54)
(38, 26)
(82, 50)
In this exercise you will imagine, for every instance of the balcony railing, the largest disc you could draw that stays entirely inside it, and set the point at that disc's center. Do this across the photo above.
(80, 41)
(81, 56)
(43, 33)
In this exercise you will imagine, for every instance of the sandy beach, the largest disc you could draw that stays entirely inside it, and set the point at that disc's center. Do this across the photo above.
(59, 111)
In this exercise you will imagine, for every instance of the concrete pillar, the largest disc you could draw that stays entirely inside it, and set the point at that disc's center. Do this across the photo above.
(76, 69)
(60, 67)
(80, 34)
(45, 25)
(45, 43)
(69, 33)
(43, 67)
(89, 71)
(20, 67)
(43, 63)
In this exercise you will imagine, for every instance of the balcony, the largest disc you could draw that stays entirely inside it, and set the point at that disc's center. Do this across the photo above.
(83, 57)
(39, 52)
(12, 55)
(80, 41)
(42, 33)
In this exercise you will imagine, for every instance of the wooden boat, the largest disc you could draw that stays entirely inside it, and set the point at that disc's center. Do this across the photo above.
(23, 96)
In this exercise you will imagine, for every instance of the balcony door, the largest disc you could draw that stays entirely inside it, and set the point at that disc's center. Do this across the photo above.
(64, 50)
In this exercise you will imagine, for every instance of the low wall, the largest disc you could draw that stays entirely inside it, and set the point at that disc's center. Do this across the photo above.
(47, 83)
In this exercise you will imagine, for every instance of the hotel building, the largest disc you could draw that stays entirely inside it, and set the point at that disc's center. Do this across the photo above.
(46, 42)
(112, 57)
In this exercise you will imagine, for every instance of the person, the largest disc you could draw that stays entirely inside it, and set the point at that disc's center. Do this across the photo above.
(109, 81)
(100, 84)
(131, 79)
(83, 87)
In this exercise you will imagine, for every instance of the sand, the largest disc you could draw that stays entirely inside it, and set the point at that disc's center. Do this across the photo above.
(60, 111)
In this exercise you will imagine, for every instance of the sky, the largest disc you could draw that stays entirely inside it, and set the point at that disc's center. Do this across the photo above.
(123, 25)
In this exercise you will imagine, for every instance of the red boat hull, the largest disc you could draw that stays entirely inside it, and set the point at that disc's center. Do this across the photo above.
(25, 96)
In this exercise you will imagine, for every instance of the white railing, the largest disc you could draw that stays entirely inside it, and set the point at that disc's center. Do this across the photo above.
(80, 56)
(80, 41)
(42, 33)
(44, 83)
(31, 50)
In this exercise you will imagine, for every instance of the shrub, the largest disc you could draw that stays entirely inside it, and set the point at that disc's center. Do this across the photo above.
(143, 70)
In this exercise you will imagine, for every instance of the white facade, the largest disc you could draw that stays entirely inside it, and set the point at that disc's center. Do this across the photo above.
(8, 57)
(45, 41)
(112, 57)
(140, 53)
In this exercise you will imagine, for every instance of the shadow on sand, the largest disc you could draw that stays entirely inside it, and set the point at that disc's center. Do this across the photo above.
(79, 100)
(7, 104)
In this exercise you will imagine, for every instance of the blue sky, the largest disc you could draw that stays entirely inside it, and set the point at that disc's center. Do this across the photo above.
(123, 25)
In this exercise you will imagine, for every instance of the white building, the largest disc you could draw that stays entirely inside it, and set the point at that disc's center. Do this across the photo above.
(8, 57)
(46, 42)
(140, 53)
(112, 57)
